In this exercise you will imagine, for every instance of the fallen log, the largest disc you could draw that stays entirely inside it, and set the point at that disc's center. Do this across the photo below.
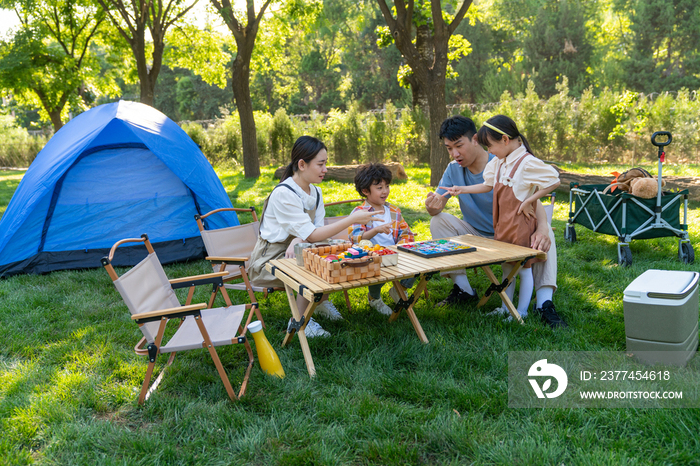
(346, 173)
(692, 184)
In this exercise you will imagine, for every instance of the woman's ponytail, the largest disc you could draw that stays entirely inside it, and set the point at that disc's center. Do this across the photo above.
(289, 171)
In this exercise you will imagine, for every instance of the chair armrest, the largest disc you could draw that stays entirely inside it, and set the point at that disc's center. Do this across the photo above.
(182, 310)
(232, 260)
(204, 276)
(195, 280)
(348, 201)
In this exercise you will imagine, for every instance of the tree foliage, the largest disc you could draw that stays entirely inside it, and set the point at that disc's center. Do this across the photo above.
(133, 19)
(427, 53)
(334, 60)
(245, 35)
(664, 49)
(50, 61)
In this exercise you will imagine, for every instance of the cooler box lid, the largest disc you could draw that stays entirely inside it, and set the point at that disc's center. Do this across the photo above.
(654, 285)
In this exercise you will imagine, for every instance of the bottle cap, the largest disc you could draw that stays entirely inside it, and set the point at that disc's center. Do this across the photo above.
(255, 326)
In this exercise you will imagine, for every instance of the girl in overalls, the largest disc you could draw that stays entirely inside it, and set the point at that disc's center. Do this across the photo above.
(518, 179)
(293, 212)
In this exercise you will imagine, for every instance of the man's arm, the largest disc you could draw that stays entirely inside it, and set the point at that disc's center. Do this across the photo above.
(540, 238)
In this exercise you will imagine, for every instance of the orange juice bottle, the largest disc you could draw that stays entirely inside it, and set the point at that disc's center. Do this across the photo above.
(269, 362)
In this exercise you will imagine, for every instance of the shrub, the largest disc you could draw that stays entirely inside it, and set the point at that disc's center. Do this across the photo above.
(347, 140)
(414, 132)
(18, 149)
(263, 125)
(225, 142)
(612, 126)
(197, 133)
(377, 141)
(281, 136)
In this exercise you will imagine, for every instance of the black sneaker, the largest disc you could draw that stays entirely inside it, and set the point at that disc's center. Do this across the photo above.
(549, 315)
(458, 296)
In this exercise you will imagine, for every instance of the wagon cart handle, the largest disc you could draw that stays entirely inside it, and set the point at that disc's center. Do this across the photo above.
(661, 144)
(662, 155)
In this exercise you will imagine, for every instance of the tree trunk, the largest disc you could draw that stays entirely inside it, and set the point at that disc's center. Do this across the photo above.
(439, 158)
(55, 116)
(147, 95)
(54, 111)
(240, 71)
(427, 58)
(425, 51)
(241, 94)
(138, 47)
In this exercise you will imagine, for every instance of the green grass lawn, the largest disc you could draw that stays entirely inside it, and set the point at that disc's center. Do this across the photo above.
(69, 378)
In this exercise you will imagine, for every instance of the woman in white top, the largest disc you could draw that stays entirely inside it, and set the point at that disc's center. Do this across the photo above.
(293, 213)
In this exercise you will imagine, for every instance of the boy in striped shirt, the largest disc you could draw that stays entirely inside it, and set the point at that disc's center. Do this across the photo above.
(372, 182)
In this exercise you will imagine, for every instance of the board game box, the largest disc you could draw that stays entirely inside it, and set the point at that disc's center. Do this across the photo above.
(435, 248)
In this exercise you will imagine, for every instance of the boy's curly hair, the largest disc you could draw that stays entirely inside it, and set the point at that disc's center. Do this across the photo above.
(369, 174)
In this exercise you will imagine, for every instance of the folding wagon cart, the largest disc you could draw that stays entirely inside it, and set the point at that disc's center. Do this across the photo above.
(630, 217)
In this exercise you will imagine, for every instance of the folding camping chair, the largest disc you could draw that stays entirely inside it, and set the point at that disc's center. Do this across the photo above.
(151, 298)
(330, 220)
(229, 250)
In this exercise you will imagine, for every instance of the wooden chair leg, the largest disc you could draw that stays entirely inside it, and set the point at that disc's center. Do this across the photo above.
(146, 382)
(190, 294)
(215, 357)
(146, 391)
(244, 385)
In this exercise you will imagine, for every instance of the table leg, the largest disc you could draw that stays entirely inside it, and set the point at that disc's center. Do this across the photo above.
(484, 299)
(402, 294)
(302, 335)
(506, 300)
(411, 314)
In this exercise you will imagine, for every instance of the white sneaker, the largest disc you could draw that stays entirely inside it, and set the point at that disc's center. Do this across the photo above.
(314, 329)
(394, 294)
(328, 310)
(379, 306)
(499, 312)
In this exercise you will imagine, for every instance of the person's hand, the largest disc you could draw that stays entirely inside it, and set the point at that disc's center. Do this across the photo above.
(435, 201)
(383, 228)
(540, 241)
(289, 253)
(527, 209)
(363, 217)
(455, 190)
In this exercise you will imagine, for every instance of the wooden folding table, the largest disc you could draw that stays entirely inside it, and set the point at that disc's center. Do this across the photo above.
(312, 287)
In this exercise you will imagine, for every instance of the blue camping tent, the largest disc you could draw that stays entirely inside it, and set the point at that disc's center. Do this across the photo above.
(115, 171)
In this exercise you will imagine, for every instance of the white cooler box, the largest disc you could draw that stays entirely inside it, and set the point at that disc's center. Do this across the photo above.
(661, 316)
